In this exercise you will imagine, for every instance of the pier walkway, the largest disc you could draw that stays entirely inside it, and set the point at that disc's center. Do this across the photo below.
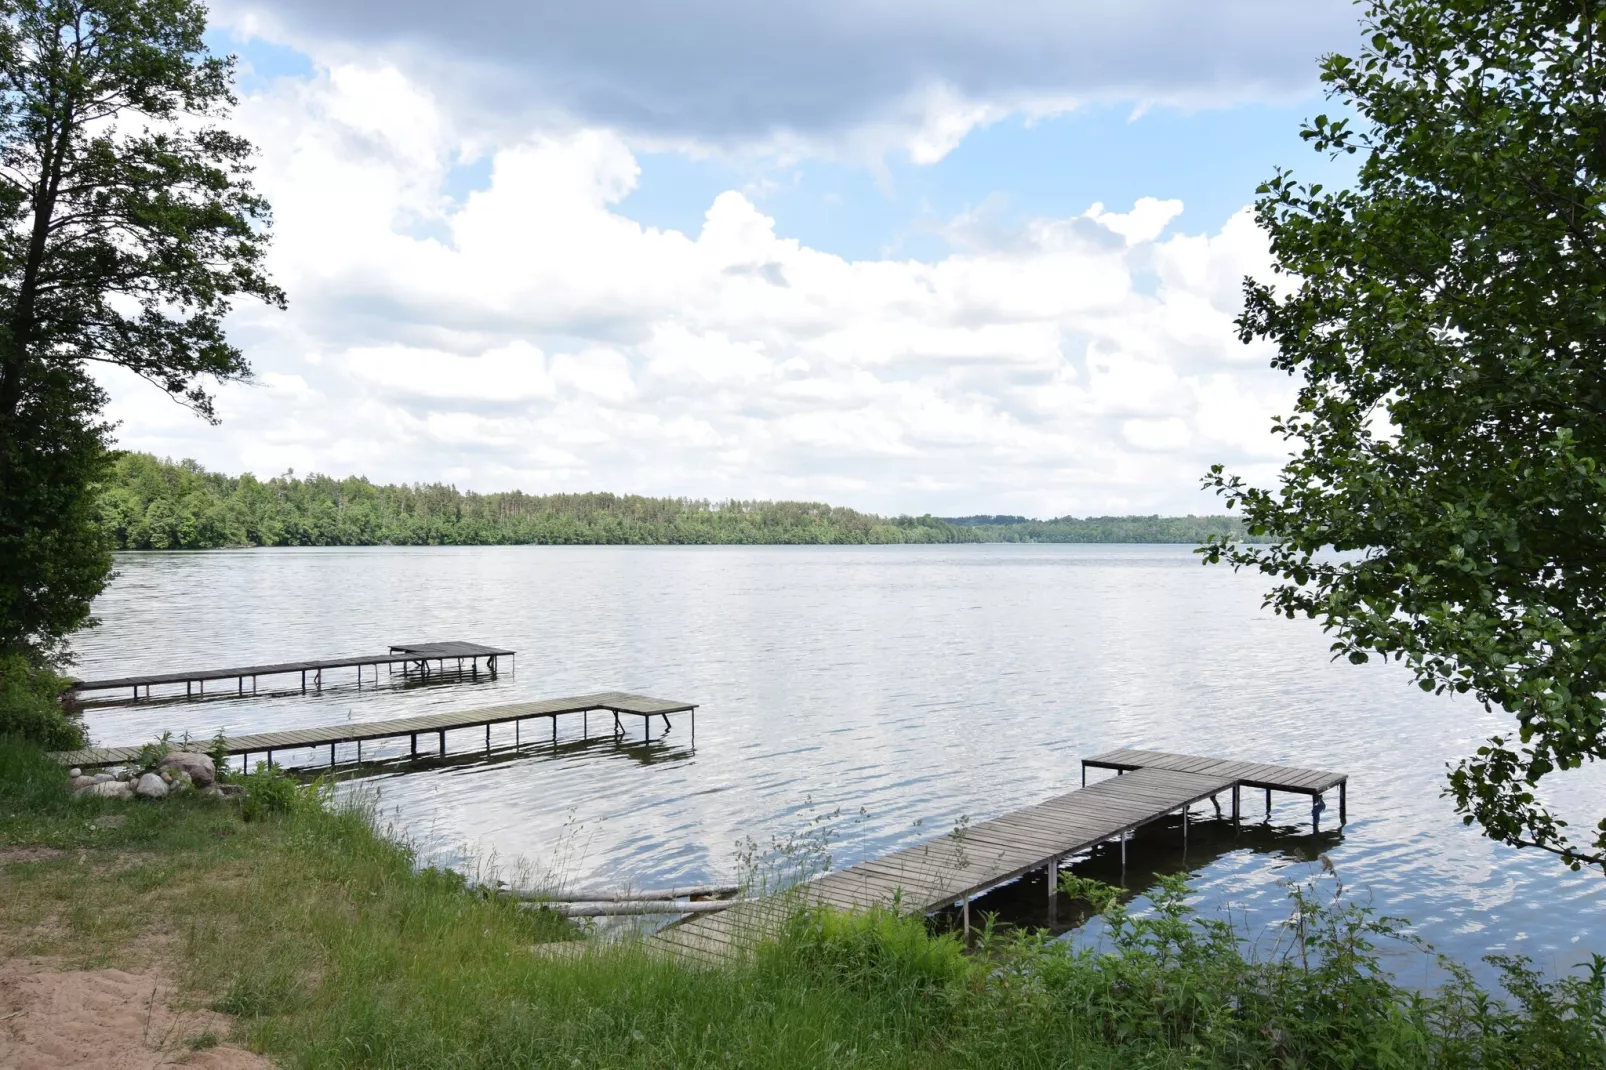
(412, 657)
(618, 703)
(956, 868)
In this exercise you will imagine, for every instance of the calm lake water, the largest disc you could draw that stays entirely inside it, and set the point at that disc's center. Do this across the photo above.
(907, 686)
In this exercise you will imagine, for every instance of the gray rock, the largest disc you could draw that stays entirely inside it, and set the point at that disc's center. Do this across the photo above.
(108, 789)
(151, 786)
(213, 792)
(202, 773)
(75, 772)
(80, 782)
(101, 778)
(231, 789)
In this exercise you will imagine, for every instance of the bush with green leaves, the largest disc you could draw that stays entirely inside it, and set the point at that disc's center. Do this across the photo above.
(30, 705)
(271, 792)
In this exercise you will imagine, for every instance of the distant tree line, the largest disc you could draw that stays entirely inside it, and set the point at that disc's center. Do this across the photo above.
(152, 504)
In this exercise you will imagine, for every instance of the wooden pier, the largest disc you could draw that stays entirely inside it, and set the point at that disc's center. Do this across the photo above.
(617, 703)
(953, 870)
(412, 657)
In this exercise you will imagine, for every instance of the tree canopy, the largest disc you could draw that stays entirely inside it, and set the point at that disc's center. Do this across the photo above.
(128, 227)
(1445, 499)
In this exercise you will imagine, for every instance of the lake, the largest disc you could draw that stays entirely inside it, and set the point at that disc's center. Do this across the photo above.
(906, 686)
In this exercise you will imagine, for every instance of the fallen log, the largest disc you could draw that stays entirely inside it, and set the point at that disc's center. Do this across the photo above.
(710, 891)
(613, 909)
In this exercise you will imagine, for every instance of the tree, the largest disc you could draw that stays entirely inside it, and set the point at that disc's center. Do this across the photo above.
(128, 227)
(1447, 316)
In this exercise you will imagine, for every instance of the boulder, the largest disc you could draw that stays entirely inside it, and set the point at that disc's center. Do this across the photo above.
(80, 782)
(151, 786)
(202, 773)
(102, 778)
(75, 772)
(108, 789)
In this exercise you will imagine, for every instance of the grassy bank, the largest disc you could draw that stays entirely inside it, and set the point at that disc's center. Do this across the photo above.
(332, 949)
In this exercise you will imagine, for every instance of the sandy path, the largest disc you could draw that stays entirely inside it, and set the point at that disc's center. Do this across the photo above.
(104, 1018)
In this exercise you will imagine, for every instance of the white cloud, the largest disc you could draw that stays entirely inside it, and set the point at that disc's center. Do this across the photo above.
(530, 335)
(858, 77)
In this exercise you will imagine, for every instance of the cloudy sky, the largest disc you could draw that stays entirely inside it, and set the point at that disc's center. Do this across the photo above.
(945, 256)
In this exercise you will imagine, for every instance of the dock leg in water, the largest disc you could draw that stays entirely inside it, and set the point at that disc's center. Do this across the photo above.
(1184, 832)
(1268, 804)
(1235, 805)
(487, 727)
(331, 756)
(965, 912)
(1342, 816)
(1053, 872)
(413, 744)
(443, 743)
(1316, 808)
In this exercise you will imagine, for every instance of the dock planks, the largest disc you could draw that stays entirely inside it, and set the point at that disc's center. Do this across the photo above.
(614, 702)
(1248, 774)
(416, 654)
(958, 867)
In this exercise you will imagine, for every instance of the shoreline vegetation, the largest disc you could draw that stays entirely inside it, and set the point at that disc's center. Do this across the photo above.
(315, 938)
(152, 504)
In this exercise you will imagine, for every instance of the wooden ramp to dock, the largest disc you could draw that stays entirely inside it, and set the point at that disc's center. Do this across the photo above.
(958, 867)
(618, 703)
(412, 657)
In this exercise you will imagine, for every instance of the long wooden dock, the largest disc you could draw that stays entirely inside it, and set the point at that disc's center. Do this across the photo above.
(618, 703)
(413, 657)
(958, 867)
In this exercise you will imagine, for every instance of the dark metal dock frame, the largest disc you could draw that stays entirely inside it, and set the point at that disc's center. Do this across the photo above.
(615, 702)
(411, 656)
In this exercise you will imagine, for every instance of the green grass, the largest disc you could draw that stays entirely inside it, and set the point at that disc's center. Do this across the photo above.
(333, 949)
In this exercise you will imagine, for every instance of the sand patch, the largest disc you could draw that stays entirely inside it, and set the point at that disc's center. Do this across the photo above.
(29, 854)
(111, 1019)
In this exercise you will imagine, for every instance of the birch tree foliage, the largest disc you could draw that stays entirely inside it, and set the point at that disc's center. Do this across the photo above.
(1444, 498)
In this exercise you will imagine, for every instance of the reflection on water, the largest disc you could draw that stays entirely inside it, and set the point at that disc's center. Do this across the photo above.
(921, 684)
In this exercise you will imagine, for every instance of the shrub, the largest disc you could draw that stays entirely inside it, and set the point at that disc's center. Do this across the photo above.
(270, 791)
(30, 705)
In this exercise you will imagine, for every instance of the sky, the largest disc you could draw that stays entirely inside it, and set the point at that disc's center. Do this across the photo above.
(939, 257)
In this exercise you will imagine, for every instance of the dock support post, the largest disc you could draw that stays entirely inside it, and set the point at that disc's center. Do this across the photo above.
(1084, 774)
(554, 730)
(965, 912)
(487, 740)
(189, 689)
(270, 759)
(1053, 886)
(1123, 853)
(585, 724)
(1185, 830)
(694, 728)
(443, 742)
(1235, 805)
(1268, 804)
(413, 743)
(515, 735)
(359, 752)
(1342, 817)
(331, 756)
(239, 686)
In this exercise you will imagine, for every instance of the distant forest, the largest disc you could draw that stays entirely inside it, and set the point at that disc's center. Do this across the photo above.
(152, 504)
